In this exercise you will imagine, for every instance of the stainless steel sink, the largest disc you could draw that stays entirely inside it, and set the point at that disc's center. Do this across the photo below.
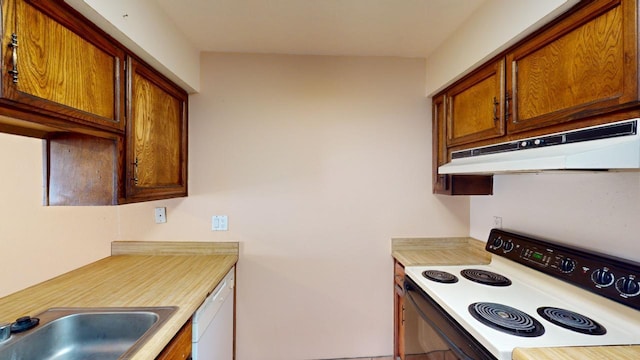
(86, 333)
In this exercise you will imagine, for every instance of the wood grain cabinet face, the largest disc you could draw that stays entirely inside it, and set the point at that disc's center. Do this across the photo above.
(476, 105)
(398, 302)
(156, 135)
(440, 182)
(180, 346)
(580, 70)
(58, 65)
(584, 66)
(451, 184)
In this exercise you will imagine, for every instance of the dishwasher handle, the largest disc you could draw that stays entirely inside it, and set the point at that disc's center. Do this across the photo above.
(211, 305)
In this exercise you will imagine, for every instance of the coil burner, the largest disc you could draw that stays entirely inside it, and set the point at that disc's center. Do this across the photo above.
(571, 320)
(485, 277)
(506, 319)
(440, 276)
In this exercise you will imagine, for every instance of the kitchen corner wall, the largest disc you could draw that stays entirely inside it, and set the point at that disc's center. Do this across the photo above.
(318, 162)
(38, 242)
(493, 27)
(597, 211)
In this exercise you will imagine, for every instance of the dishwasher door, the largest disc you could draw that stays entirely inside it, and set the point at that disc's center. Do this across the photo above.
(213, 326)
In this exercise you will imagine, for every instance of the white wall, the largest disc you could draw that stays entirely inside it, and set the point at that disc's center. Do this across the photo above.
(37, 242)
(597, 211)
(318, 162)
(146, 30)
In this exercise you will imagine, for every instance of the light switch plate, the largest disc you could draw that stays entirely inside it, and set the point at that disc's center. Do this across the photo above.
(219, 223)
(161, 215)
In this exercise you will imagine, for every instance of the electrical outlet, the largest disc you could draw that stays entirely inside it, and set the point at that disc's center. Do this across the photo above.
(497, 222)
(219, 223)
(161, 215)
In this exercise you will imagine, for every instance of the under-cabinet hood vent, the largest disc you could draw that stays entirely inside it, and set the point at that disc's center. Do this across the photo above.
(614, 146)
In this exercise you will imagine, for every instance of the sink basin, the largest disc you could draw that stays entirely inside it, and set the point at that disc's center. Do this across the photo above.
(86, 333)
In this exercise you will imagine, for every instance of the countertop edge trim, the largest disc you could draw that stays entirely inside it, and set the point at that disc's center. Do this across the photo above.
(174, 248)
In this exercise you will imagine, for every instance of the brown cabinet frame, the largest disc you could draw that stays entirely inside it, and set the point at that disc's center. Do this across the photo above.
(134, 192)
(625, 98)
(497, 101)
(624, 104)
(47, 113)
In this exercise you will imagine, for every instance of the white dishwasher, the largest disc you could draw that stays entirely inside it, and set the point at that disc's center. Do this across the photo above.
(213, 323)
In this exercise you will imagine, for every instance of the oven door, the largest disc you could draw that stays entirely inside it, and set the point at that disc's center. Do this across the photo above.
(431, 334)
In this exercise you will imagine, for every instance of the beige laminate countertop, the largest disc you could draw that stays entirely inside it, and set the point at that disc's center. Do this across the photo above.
(469, 251)
(578, 353)
(178, 274)
(439, 251)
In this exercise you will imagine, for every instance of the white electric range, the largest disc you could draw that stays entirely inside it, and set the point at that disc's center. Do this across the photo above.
(532, 294)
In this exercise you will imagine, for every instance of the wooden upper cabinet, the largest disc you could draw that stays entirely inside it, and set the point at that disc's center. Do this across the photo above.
(156, 143)
(476, 106)
(584, 66)
(440, 182)
(56, 64)
(451, 184)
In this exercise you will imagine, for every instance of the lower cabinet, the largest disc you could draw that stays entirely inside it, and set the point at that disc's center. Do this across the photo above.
(398, 318)
(180, 345)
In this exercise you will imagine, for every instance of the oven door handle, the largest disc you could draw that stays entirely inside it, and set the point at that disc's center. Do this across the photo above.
(409, 294)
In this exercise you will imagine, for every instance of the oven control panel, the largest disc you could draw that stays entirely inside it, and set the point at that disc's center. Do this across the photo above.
(614, 278)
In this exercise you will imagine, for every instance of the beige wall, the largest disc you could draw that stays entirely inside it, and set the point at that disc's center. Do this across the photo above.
(597, 211)
(318, 162)
(37, 242)
(140, 30)
(493, 27)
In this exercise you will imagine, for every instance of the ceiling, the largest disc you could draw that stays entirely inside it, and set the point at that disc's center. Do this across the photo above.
(406, 28)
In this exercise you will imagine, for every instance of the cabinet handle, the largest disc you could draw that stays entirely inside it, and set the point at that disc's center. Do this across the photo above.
(495, 109)
(14, 57)
(135, 171)
(507, 102)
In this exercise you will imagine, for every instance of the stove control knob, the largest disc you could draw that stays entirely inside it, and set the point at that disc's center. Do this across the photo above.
(602, 277)
(497, 242)
(628, 286)
(567, 265)
(508, 246)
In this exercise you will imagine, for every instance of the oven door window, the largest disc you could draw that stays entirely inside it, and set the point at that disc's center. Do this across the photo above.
(431, 334)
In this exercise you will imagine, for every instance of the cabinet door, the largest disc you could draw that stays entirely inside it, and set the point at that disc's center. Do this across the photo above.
(440, 182)
(583, 66)
(56, 64)
(452, 184)
(398, 318)
(476, 106)
(156, 135)
(180, 346)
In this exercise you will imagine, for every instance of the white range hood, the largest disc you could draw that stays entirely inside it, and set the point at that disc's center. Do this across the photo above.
(614, 146)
